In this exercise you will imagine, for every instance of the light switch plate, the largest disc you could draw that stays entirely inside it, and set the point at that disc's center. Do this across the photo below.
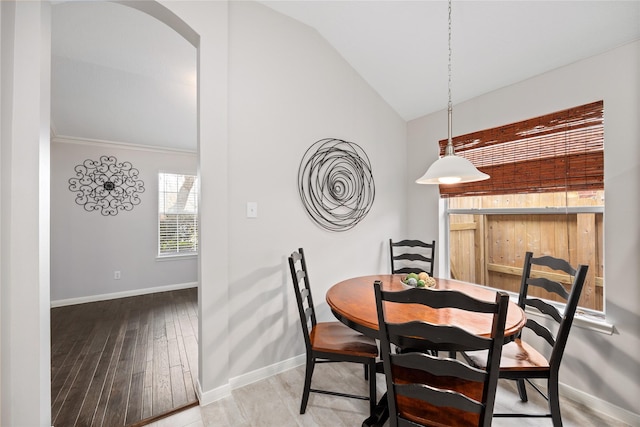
(252, 209)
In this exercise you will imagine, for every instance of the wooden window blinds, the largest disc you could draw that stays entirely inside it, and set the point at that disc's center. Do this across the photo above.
(561, 151)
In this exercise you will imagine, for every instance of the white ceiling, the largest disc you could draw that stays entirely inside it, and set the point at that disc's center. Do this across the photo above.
(120, 75)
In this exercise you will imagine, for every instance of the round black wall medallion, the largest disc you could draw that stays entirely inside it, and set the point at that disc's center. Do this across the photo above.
(335, 183)
(106, 185)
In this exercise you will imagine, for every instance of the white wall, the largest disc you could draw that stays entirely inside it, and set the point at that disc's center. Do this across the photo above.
(288, 88)
(87, 247)
(209, 23)
(24, 279)
(603, 366)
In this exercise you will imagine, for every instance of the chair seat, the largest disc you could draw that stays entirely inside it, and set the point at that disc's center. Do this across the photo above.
(516, 356)
(335, 337)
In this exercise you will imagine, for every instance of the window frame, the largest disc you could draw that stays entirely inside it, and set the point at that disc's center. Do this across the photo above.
(194, 193)
(581, 128)
(585, 318)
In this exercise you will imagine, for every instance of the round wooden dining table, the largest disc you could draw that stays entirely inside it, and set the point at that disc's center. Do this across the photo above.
(353, 302)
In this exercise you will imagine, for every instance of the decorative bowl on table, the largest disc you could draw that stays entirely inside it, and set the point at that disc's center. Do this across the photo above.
(420, 281)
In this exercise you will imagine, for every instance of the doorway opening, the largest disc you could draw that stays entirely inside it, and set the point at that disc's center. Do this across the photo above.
(124, 84)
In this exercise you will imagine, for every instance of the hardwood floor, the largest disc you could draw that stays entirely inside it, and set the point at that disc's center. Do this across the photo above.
(123, 361)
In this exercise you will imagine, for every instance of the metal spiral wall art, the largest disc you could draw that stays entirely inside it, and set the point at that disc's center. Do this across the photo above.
(107, 186)
(336, 184)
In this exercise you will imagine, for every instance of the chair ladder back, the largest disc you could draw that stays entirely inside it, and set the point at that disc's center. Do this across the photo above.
(537, 328)
(302, 290)
(309, 314)
(436, 366)
(558, 340)
(436, 397)
(569, 314)
(423, 255)
(550, 286)
(541, 331)
(555, 264)
(421, 334)
(423, 385)
(544, 308)
(440, 298)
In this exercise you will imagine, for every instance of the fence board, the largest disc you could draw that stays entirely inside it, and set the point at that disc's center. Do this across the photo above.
(489, 249)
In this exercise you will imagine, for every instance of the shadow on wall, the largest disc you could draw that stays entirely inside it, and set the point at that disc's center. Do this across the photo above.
(624, 362)
(220, 376)
(262, 314)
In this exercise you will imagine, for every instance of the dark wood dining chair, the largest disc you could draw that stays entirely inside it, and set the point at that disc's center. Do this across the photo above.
(412, 256)
(424, 389)
(329, 341)
(520, 360)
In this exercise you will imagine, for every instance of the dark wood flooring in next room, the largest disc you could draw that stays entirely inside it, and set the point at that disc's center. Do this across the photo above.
(121, 362)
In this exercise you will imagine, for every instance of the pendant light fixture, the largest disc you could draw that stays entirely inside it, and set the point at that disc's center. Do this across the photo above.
(451, 169)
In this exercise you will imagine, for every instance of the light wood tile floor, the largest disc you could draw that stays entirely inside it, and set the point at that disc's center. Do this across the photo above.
(275, 402)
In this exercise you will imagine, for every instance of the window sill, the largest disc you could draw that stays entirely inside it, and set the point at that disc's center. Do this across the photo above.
(583, 319)
(593, 322)
(176, 257)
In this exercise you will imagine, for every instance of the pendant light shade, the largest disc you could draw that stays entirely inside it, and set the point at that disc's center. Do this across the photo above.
(451, 169)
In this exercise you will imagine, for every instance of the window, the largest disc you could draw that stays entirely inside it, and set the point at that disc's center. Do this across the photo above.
(177, 214)
(545, 195)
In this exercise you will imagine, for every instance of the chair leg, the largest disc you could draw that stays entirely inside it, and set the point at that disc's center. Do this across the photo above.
(373, 396)
(311, 363)
(554, 402)
(522, 391)
(366, 371)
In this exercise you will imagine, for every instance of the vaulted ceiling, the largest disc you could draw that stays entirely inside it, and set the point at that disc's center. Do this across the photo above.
(119, 75)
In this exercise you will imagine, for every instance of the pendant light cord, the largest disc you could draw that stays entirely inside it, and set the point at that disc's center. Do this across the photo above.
(451, 169)
(450, 105)
(449, 149)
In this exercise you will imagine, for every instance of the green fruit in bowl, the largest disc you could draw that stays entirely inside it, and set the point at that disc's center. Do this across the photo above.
(412, 276)
(421, 284)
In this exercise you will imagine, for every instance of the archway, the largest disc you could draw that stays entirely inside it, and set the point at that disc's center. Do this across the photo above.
(152, 11)
(25, 396)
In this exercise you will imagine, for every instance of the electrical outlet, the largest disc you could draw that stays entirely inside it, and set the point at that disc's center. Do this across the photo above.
(116, 275)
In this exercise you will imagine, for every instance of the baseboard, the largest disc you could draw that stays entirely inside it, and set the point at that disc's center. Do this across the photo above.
(210, 396)
(124, 294)
(248, 378)
(266, 372)
(600, 405)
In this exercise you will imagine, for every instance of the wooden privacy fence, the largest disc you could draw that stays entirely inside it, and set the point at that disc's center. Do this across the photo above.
(489, 249)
